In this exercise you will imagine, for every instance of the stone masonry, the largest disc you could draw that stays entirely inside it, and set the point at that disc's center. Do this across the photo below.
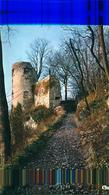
(23, 78)
(25, 91)
(48, 92)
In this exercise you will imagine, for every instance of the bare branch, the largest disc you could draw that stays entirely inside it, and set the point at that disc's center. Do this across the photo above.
(92, 48)
(38, 54)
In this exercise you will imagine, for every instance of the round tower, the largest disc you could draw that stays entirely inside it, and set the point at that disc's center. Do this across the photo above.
(23, 78)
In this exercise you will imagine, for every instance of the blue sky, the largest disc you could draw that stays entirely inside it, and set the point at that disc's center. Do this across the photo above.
(21, 37)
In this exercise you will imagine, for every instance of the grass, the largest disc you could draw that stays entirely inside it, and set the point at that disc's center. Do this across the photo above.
(97, 125)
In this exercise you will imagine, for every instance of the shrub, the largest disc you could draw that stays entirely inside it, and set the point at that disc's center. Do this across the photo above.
(31, 151)
(17, 128)
(41, 113)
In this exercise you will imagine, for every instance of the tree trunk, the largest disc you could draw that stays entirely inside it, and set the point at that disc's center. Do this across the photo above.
(85, 97)
(82, 76)
(65, 85)
(103, 50)
(5, 134)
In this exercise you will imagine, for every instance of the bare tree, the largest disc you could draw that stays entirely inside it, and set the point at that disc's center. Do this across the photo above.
(81, 40)
(81, 72)
(103, 50)
(91, 58)
(4, 117)
(59, 64)
(92, 48)
(38, 54)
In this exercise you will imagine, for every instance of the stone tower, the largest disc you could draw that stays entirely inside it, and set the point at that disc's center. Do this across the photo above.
(23, 78)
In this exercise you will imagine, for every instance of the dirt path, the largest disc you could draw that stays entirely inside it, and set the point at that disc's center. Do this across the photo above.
(63, 149)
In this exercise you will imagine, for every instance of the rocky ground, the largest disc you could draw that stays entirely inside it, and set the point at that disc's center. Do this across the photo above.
(63, 149)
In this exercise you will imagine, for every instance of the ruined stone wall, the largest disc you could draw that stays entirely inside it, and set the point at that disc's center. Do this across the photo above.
(23, 78)
(24, 91)
(48, 92)
(55, 92)
(41, 96)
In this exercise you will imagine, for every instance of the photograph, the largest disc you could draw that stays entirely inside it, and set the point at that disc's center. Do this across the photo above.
(54, 106)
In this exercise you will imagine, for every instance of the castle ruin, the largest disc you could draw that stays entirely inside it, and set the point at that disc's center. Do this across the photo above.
(48, 92)
(25, 91)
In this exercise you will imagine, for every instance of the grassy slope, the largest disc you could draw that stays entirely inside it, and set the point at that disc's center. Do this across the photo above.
(94, 130)
(32, 150)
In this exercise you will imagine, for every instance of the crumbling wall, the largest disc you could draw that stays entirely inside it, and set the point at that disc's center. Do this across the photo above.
(48, 92)
(55, 92)
(41, 96)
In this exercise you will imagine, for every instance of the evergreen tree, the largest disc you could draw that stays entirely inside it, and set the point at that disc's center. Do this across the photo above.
(17, 126)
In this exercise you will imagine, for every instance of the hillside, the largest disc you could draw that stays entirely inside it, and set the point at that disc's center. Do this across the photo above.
(94, 129)
(70, 142)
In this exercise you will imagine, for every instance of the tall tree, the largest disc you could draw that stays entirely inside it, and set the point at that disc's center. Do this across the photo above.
(92, 48)
(5, 132)
(103, 50)
(37, 55)
(59, 64)
(17, 126)
(81, 72)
